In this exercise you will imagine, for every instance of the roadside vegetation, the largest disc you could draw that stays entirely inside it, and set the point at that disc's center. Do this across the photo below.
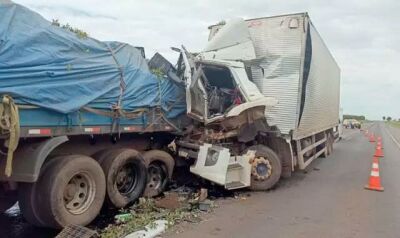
(394, 123)
(391, 121)
(146, 213)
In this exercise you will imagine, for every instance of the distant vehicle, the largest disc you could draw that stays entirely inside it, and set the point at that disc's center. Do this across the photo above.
(351, 124)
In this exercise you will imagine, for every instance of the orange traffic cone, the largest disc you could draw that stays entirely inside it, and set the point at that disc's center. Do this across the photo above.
(374, 179)
(372, 138)
(379, 143)
(378, 151)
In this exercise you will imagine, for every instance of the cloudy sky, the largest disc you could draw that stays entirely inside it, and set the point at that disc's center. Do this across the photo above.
(363, 35)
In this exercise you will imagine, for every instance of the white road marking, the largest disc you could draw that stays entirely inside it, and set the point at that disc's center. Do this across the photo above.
(393, 139)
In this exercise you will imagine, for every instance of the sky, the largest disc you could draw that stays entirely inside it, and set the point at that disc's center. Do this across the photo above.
(362, 35)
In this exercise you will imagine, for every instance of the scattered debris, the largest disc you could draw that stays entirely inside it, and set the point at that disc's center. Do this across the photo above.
(147, 212)
(182, 203)
(203, 194)
(171, 201)
(121, 218)
(75, 231)
(316, 169)
(151, 230)
(206, 205)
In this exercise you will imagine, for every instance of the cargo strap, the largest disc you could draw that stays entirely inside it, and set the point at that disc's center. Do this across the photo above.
(116, 114)
(9, 125)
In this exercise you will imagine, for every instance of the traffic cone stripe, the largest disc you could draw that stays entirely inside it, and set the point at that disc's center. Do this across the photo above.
(374, 173)
(375, 166)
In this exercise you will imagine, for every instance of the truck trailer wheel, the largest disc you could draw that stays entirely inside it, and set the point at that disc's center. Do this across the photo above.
(71, 191)
(126, 176)
(27, 197)
(7, 199)
(266, 168)
(160, 166)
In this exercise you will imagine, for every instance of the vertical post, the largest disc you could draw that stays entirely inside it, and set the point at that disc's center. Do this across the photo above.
(300, 157)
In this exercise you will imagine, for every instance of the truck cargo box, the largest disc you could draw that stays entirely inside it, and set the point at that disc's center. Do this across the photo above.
(296, 68)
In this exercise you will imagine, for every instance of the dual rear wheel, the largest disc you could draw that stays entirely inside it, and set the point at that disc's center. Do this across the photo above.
(72, 189)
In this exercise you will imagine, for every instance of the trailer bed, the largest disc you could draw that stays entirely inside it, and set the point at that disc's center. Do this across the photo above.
(40, 122)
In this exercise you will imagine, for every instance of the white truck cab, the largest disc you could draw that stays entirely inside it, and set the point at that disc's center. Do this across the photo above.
(217, 84)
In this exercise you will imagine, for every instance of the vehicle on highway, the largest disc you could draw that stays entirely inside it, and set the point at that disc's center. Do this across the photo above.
(352, 124)
(86, 123)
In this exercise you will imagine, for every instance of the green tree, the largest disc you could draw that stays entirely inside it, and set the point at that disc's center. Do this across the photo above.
(357, 117)
(384, 118)
(388, 118)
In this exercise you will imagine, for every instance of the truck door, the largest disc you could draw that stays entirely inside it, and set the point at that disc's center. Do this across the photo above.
(231, 43)
(196, 95)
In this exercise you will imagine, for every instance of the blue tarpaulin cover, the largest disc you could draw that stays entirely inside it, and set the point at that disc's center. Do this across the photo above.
(47, 66)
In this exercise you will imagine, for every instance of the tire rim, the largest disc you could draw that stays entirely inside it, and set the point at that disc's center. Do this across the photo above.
(261, 168)
(79, 193)
(126, 179)
(156, 176)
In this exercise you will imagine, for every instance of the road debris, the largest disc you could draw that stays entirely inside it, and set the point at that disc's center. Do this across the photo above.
(170, 201)
(73, 231)
(148, 211)
(151, 230)
(206, 205)
(203, 194)
(121, 218)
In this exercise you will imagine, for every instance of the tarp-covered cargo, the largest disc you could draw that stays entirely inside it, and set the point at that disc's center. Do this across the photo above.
(44, 65)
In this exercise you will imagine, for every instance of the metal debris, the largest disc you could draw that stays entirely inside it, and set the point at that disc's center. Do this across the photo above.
(170, 201)
(75, 231)
(206, 205)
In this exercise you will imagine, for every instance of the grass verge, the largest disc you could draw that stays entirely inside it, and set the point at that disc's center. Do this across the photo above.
(394, 123)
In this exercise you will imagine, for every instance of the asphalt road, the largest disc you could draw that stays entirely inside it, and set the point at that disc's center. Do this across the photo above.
(328, 201)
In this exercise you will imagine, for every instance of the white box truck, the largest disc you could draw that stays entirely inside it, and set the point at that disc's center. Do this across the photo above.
(282, 58)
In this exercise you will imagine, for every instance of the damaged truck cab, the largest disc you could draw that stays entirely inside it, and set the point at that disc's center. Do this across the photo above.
(230, 112)
(262, 105)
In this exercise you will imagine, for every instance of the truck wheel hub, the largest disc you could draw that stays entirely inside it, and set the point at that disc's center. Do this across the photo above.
(126, 179)
(79, 193)
(261, 168)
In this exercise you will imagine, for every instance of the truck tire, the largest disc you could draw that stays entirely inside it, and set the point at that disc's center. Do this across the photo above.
(7, 200)
(126, 176)
(266, 168)
(100, 155)
(160, 166)
(71, 191)
(27, 197)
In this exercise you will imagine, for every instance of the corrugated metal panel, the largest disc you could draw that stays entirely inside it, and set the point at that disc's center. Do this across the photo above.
(321, 108)
(281, 46)
(281, 41)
